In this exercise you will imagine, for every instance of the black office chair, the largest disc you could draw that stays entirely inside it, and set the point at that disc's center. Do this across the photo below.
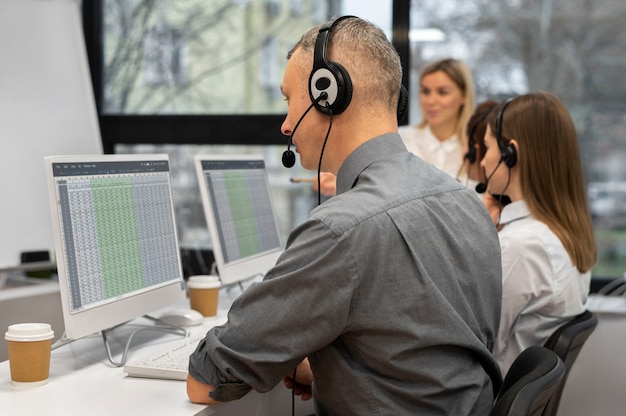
(529, 384)
(566, 342)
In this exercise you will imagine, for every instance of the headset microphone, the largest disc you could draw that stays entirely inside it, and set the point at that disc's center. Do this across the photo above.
(482, 187)
(289, 157)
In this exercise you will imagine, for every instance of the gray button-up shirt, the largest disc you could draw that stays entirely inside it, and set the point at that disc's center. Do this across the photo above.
(392, 289)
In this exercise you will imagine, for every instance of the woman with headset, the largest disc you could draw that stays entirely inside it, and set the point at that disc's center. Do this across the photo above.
(476, 127)
(546, 235)
(446, 97)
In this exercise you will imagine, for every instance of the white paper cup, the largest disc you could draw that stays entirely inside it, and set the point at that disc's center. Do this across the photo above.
(29, 346)
(204, 293)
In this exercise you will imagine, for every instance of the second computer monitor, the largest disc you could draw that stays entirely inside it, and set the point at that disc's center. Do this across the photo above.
(238, 207)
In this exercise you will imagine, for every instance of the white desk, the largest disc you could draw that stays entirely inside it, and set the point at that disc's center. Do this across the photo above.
(83, 382)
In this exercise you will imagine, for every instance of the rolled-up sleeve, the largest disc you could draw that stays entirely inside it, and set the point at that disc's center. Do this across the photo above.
(301, 306)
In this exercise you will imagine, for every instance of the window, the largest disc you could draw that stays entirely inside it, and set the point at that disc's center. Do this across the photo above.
(194, 57)
(296, 7)
(218, 63)
(270, 75)
(572, 48)
(164, 57)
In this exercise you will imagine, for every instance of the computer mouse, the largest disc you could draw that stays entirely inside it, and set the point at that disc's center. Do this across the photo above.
(182, 317)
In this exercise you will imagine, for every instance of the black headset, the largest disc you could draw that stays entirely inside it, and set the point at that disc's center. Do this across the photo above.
(471, 153)
(507, 150)
(470, 156)
(333, 79)
(328, 76)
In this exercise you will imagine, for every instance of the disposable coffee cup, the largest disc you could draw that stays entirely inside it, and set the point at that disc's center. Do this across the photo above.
(204, 294)
(29, 348)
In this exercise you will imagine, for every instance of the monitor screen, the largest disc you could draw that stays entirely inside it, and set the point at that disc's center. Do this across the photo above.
(115, 238)
(238, 207)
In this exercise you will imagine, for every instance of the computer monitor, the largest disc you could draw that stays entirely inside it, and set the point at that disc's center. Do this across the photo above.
(115, 239)
(238, 207)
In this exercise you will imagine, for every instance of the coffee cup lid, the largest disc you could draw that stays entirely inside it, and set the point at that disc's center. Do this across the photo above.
(203, 282)
(29, 332)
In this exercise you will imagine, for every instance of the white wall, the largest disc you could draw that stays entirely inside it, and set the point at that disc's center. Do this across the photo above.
(46, 107)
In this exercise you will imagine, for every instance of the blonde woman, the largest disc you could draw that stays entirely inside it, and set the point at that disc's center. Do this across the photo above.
(446, 97)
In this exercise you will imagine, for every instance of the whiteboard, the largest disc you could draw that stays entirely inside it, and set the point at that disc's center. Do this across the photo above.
(46, 108)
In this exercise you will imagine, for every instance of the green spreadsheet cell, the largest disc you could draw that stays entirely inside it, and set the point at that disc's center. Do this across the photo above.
(114, 211)
(236, 185)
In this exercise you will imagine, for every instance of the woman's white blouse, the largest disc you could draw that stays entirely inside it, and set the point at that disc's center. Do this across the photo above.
(541, 288)
(446, 155)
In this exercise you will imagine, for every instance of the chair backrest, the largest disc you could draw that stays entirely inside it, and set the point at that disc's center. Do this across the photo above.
(566, 342)
(529, 384)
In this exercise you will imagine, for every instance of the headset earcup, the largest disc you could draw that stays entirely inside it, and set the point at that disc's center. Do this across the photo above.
(509, 155)
(470, 156)
(403, 103)
(344, 90)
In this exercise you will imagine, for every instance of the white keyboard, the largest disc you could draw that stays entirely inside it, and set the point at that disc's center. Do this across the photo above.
(171, 363)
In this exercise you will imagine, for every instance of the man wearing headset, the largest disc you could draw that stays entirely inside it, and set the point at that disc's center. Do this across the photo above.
(388, 296)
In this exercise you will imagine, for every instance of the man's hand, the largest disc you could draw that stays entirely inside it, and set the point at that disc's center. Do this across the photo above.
(198, 392)
(304, 379)
(328, 184)
(493, 206)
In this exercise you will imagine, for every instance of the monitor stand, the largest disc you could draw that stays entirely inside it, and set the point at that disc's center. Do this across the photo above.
(160, 326)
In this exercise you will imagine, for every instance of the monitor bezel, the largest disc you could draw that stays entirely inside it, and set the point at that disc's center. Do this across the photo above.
(117, 311)
(248, 267)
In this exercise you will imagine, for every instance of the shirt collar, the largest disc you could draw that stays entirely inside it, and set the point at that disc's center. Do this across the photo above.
(379, 147)
(451, 144)
(514, 211)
